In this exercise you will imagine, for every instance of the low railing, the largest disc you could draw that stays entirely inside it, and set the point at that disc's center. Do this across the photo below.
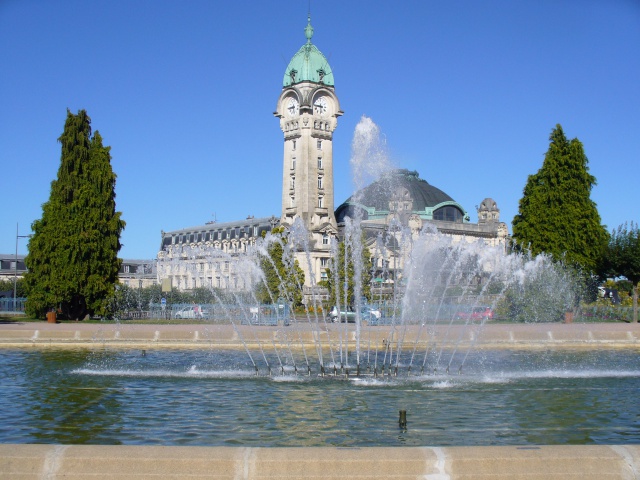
(280, 314)
(9, 305)
(135, 314)
(604, 313)
(267, 314)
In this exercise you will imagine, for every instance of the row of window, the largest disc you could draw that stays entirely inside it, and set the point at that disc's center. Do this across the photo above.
(320, 163)
(292, 182)
(294, 144)
(228, 246)
(319, 125)
(448, 214)
(399, 206)
(224, 281)
(226, 234)
(144, 269)
(292, 202)
(210, 282)
(213, 266)
(11, 265)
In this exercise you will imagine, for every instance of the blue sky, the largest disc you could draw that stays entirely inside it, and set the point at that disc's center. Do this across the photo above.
(464, 91)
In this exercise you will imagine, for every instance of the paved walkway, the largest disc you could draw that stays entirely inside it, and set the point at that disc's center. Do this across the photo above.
(53, 462)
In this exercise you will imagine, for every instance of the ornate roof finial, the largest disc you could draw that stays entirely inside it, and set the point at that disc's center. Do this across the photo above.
(308, 31)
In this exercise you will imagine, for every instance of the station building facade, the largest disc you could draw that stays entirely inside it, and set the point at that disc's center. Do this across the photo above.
(208, 255)
(308, 110)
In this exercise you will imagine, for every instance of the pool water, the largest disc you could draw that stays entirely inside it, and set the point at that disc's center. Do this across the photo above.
(160, 397)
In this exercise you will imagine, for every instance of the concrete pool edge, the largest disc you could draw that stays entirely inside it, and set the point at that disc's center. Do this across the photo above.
(490, 336)
(120, 462)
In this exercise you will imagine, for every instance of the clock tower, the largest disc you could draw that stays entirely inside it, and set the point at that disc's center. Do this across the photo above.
(308, 110)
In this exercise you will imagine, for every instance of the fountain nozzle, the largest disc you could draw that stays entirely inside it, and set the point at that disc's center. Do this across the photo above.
(402, 421)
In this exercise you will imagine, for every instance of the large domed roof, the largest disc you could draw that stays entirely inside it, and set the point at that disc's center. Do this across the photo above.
(401, 190)
(308, 64)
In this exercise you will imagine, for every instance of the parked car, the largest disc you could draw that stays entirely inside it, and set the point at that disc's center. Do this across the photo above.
(194, 311)
(367, 313)
(371, 313)
(475, 313)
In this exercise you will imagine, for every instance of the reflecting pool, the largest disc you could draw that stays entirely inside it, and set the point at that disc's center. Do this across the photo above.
(160, 397)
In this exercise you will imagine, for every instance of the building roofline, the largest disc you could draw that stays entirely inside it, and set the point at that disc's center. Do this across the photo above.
(219, 226)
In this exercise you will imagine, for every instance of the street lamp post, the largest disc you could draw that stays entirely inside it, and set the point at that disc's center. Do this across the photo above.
(15, 268)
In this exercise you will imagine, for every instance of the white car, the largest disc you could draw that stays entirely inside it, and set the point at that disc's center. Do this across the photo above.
(194, 311)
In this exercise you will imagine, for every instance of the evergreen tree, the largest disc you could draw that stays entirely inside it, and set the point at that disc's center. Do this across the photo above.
(622, 258)
(283, 277)
(556, 214)
(342, 273)
(7, 286)
(73, 254)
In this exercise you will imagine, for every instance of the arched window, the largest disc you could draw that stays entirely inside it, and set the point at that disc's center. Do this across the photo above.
(448, 214)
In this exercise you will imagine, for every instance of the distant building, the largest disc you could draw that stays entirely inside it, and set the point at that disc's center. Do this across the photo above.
(401, 198)
(179, 260)
(308, 111)
(138, 273)
(133, 273)
(401, 204)
(8, 268)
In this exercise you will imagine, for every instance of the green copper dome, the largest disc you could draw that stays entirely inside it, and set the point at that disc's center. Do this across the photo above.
(381, 197)
(308, 64)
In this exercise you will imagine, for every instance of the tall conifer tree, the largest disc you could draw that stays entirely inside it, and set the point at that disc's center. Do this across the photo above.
(343, 274)
(622, 258)
(556, 214)
(73, 254)
(283, 276)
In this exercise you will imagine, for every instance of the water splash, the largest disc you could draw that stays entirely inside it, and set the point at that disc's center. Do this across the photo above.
(369, 156)
(436, 284)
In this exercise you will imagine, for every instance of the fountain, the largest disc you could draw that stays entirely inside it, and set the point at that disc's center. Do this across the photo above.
(426, 324)
(438, 352)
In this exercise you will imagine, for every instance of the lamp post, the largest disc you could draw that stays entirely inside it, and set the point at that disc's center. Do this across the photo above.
(15, 268)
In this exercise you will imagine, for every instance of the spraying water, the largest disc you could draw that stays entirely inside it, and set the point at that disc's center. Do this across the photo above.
(434, 291)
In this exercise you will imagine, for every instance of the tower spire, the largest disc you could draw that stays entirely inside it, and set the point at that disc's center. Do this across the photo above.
(308, 31)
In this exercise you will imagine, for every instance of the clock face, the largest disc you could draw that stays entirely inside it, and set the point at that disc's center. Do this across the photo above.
(320, 106)
(293, 107)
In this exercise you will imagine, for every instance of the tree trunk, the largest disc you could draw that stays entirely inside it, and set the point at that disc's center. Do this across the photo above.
(635, 304)
(76, 308)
